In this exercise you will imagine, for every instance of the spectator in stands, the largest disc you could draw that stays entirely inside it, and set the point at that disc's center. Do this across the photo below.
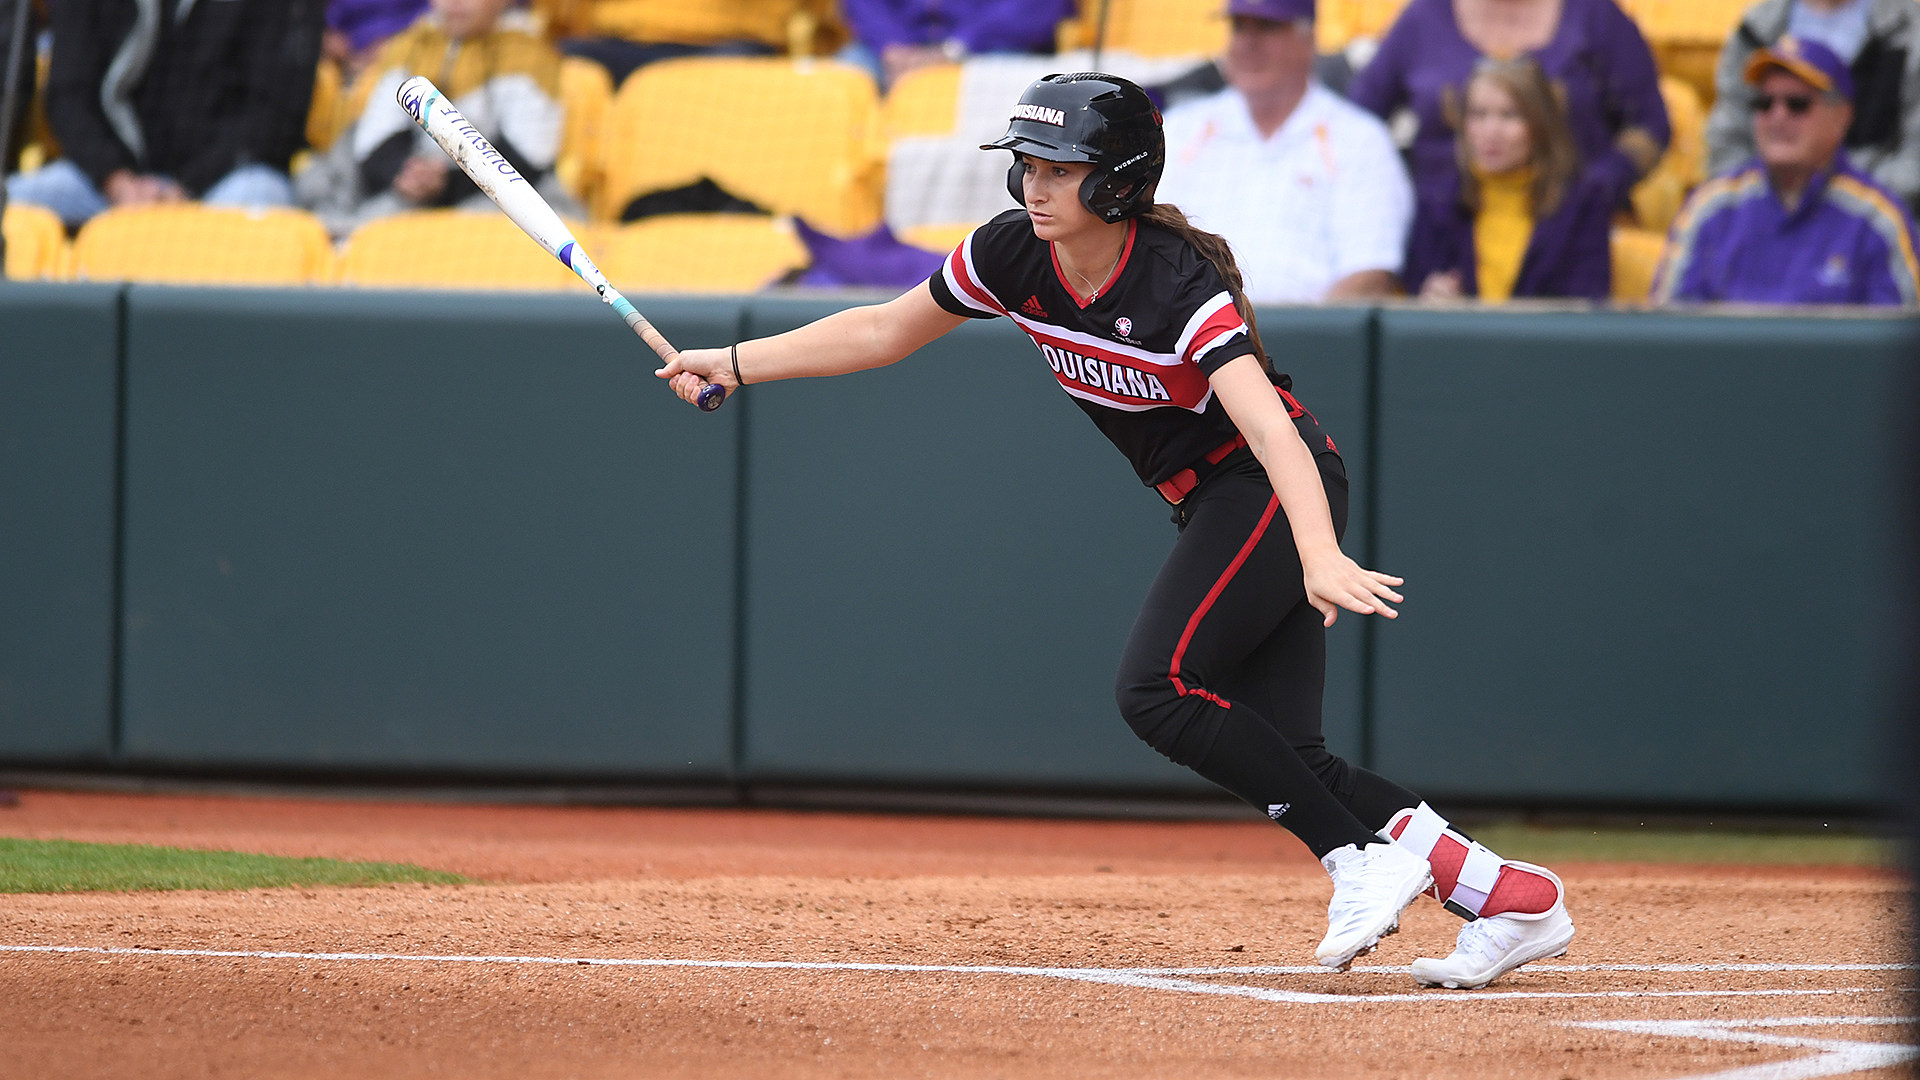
(357, 28)
(1589, 47)
(1800, 224)
(495, 69)
(171, 100)
(23, 87)
(1308, 189)
(1880, 42)
(892, 37)
(622, 35)
(1524, 219)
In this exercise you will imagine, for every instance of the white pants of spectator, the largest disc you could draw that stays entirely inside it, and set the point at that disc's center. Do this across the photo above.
(62, 187)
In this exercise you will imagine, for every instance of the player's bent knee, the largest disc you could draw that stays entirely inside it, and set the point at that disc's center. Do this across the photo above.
(1158, 713)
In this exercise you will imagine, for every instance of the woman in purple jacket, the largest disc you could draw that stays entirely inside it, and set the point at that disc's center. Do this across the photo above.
(1589, 47)
(1522, 218)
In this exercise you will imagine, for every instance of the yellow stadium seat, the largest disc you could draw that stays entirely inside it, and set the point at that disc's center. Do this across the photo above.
(1149, 27)
(586, 93)
(187, 243)
(452, 249)
(941, 238)
(1636, 255)
(1340, 21)
(36, 243)
(698, 253)
(799, 138)
(1686, 20)
(1657, 198)
(1686, 36)
(925, 101)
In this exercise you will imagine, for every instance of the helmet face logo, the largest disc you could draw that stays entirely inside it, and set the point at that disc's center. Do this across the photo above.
(1041, 113)
(1123, 325)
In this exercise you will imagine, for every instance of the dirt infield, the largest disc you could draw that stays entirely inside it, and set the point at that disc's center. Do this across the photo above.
(699, 943)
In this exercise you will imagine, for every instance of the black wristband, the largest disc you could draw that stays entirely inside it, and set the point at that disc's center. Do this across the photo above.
(737, 380)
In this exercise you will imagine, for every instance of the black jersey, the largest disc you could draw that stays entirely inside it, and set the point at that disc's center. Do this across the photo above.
(1135, 355)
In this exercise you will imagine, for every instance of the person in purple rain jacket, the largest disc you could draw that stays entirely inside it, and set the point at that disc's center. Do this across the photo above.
(1524, 219)
(1799, 224)
(1589, 47)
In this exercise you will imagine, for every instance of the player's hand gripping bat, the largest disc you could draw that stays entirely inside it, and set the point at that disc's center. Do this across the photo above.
(510, 192)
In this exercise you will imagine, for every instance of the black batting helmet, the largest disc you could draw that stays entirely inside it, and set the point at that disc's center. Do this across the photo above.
(1103, 120)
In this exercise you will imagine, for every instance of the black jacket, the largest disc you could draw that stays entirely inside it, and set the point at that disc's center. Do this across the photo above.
(190, 89)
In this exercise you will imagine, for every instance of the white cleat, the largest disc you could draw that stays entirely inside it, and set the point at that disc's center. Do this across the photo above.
(1371, 886)
(1490, 947)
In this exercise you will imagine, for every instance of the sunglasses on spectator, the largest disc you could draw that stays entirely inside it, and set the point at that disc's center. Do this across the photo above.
(1797, 104)
(1254, 24)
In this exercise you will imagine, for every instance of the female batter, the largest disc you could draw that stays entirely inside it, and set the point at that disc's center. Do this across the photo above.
(1142, 319)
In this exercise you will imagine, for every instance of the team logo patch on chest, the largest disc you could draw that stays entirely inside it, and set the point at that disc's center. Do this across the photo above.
(1123, 326)
(1834, 274)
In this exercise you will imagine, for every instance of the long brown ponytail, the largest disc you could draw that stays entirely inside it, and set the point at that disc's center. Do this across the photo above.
(1215, 250)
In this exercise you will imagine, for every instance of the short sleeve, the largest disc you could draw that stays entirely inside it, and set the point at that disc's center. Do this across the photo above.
(1214, 332)
(959, 287)
(943, 295)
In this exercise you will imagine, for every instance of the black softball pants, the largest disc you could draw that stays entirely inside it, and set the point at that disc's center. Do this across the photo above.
(1226, 665)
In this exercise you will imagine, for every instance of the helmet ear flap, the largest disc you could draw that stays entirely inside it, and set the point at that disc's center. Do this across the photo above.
(1015, 181)
(1105, 209)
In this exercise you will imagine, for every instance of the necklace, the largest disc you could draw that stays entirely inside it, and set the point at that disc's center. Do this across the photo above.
(1093, 291)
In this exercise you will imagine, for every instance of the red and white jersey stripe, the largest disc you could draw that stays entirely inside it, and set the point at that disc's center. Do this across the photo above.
(1136, 355)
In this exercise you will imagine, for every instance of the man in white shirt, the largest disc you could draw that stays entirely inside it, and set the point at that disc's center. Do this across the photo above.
(1308, 188)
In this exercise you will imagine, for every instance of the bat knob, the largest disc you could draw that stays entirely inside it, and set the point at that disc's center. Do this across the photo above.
(710, 397)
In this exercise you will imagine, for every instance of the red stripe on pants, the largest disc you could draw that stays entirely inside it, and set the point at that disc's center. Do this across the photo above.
(1193, 622)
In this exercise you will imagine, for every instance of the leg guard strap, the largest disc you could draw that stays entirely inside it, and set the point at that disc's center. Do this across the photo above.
(1464, 871)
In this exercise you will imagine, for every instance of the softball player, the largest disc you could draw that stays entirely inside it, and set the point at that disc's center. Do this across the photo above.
(1142, 320)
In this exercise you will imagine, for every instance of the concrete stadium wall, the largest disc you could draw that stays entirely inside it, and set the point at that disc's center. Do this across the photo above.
(464, 535)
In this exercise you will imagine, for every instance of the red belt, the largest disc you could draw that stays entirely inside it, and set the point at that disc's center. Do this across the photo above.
(1176, 487)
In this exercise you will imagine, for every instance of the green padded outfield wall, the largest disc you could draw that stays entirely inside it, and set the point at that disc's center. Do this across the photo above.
(945, 557)
(1645, 555)
(58, 384)
(419, 531)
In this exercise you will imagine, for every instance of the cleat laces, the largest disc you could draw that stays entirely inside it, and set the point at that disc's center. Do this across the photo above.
(1487, 939)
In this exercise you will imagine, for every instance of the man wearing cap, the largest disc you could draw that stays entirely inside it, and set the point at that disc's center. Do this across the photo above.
(1308, 188)
(1799, 224)
(1880, 42)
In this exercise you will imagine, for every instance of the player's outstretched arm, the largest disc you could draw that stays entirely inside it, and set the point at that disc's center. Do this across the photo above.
(852, 340)
(1333, 581)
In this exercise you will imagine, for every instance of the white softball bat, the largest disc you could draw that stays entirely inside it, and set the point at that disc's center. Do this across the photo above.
(511, 192)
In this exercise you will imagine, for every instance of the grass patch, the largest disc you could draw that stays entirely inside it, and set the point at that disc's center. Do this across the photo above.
(51, 866)
(1550, 844)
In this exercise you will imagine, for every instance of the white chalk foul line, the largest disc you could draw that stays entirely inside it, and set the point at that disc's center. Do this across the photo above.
(1678, 969)
(1836, 1056)
(1139, 978)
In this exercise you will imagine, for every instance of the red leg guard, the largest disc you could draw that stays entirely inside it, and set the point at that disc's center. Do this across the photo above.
(1445, 861)
(1519, 892)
